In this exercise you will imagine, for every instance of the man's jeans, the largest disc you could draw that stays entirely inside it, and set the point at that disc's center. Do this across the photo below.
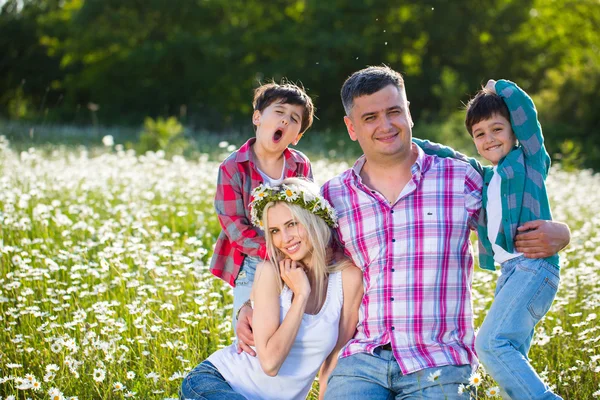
(205, 382)
(243, 284)
(378, 376)
(524, 294)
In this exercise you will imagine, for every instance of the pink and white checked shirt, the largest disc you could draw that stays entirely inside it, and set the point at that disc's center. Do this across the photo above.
(417, 261)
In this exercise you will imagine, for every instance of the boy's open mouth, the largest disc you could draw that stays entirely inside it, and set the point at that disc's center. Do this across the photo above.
(277, 135)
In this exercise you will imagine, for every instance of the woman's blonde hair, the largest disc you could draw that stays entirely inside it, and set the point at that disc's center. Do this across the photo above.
(318, 233)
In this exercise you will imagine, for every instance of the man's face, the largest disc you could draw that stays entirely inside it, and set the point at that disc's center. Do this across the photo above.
(381, 123)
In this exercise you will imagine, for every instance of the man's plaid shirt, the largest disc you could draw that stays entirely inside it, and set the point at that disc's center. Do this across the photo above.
(416, 258)
(237, 178)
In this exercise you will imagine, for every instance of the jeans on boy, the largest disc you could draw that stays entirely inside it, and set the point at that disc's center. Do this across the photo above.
(524, 294)
(378, 376)
(243, 284)
(205, 382)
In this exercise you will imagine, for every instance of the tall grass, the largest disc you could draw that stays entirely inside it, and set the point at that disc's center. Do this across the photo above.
(105, 291)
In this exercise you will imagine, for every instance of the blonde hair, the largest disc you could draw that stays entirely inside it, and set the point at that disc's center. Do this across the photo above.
(318, 233)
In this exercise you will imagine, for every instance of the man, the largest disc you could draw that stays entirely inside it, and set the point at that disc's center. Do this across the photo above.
(405, 220)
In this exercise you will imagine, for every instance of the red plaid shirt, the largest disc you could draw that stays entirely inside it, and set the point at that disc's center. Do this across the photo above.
(417, 262)
(238, 176)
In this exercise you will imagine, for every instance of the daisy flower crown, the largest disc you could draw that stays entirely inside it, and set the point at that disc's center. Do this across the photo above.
(316, 204)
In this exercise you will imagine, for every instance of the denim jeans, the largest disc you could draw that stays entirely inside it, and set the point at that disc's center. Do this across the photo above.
(378, 376)
(205, 382)
(524, 294)
(243, 284)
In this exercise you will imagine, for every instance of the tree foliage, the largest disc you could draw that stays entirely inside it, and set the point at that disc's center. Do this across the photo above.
(199, 60)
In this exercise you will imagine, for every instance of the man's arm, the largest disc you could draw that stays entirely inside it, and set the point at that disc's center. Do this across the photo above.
(244, 332)
(524, 121)
(541, 239)
(231, 212)
(442, 151)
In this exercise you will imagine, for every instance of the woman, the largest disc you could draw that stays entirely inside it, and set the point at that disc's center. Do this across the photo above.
(305, 307)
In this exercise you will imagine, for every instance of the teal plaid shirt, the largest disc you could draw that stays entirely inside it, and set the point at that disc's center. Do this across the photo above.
(523, 173)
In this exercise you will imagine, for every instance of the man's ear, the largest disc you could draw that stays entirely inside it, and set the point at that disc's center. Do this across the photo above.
(350, 128)
(410, 120)
(256, 117)
(295, 142)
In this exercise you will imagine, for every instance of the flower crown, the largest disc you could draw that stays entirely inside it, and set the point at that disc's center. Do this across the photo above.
(316, 204)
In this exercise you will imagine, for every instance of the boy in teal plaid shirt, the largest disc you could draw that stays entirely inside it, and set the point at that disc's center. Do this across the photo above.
(502, 120)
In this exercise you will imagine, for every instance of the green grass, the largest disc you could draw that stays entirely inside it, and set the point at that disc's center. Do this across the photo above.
(103, 269)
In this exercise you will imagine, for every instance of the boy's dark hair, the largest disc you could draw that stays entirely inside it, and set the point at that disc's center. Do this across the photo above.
(483, 106)
(368, 81)
(285, 93)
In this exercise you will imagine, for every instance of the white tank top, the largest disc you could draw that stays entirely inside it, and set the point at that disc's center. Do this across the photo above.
(316, 339)
(494, 217)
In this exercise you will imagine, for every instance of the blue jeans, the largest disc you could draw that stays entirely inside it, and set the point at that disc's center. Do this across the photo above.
(378, 376)
(205, 382)
(524, 294)
(243, 284)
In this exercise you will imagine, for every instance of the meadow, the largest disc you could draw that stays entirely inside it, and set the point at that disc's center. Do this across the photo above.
(105, 291)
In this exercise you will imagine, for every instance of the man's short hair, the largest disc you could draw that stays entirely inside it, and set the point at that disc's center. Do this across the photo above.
(484, 106)
(285, 93)
(368, 81)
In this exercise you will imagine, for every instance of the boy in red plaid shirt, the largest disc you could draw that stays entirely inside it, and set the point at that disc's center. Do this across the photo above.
(282, 113)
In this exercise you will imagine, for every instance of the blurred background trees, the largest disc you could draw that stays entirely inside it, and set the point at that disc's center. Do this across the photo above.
(115, 62)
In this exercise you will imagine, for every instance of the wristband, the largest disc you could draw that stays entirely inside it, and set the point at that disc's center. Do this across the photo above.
(246, 303)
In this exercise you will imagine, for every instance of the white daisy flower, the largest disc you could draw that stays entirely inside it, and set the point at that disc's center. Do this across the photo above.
(475, 379)
(99, 374)
(289, 194)
(434, 375)
(118, 386)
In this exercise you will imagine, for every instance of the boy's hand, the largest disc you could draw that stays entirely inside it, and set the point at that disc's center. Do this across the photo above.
(243, 331)
(491, 86)
(541, 239)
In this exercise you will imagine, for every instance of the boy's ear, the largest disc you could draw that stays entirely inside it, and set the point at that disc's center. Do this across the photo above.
(295, 142)
(350, 128)
(410, 120)
(256, 118)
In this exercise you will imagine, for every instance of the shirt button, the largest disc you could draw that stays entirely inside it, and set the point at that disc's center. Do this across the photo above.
(393, 269)
(392, 211)
(393, 328)
(393, 240)
(392, 299)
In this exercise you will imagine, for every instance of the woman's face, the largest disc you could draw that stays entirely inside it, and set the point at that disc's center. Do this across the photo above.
(288, 235)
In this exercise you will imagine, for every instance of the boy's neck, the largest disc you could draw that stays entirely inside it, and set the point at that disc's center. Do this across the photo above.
(269, 163)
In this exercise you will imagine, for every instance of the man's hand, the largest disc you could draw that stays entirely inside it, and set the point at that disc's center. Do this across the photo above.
(541, 239)
(243, 331)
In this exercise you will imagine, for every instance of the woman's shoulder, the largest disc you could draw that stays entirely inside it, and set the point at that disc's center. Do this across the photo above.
(351, 275)
(266, 273)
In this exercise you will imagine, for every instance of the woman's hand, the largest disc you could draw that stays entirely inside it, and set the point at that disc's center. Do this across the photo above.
(294, 276)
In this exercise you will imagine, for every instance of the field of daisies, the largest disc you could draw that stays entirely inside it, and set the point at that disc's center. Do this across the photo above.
(105, 291)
